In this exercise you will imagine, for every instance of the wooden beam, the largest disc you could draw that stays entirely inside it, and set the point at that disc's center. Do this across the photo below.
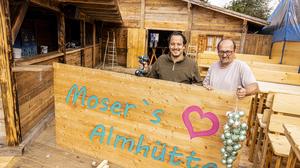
(39, 58)
(243, 37)
(109, 21)
(8, 87)
(32, 68)
(95, 12)
(98, 7)
(45, 4)
(19, 20)
(142, 23)
(94, 45)
(105, 16)
(61, 33)
(96, 2)
(82, 33)
(190, 21)
(118, 8)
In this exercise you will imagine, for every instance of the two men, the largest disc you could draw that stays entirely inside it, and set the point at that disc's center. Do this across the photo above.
(227, 74)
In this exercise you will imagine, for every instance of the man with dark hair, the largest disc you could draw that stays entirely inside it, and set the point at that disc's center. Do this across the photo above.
(230, 74)
(175, 66)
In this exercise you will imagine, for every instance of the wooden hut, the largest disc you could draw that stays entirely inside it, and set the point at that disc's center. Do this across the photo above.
(203, 24)
(34, 34)
(40, 32)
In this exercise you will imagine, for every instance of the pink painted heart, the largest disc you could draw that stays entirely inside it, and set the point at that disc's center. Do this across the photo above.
(209, 115)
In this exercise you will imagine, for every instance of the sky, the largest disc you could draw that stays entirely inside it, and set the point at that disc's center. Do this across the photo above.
(222, 3)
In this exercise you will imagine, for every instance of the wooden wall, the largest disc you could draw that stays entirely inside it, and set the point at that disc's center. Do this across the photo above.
(2, 123)
(258, 44)
(97, 54)
(75, 122)
(166, 14)
(136, 46)
(196, 23)
(73, 57)
(207, 22)
(291, 53)
(131, 12)
(121, 43)
(35, 98)
(87, 59)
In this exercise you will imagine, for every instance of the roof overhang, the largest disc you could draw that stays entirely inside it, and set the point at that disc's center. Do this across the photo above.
(229, 12)
(100, 10)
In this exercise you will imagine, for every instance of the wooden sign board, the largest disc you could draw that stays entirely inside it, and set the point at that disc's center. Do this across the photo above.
(139, 122)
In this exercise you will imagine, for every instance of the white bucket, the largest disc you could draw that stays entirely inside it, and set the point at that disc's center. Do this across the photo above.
(17, 52)
(44, 49)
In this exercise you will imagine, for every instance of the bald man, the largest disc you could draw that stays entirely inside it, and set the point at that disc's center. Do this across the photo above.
(230, 74)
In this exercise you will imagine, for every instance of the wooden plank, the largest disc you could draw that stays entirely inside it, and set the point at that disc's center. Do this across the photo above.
(258, 44)
(94, 45)
(290, 54)
(276, 76)
(286, 103)
(278, 88)
(2, 124)
(96, 2)
(277, 121)
(136, 46)
(19, 20)
(8, 88)
(35, 97)
(45, 4)
(39, 58)
(244, 33)
(32, 68)
(131, 13)
(156, 16)
(292, 134)
(75, 123)
(5, 160)
(61, 33)
(210, 20)
(142, 23)
(88, 57)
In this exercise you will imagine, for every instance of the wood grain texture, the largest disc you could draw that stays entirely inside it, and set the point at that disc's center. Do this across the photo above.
(8, 88)
(88, 57)
(167, 14)
(136, 46)
(258, 44)
(2, 123)
(291, 56)
(74, 123)
(35, 97)
(73, 58)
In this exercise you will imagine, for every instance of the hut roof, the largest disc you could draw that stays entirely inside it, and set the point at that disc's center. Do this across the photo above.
(229, 12)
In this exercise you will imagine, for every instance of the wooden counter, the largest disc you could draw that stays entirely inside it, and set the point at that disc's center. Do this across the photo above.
(40, 59)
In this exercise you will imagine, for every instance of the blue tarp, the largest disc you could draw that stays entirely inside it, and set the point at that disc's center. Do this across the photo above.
(285, 21)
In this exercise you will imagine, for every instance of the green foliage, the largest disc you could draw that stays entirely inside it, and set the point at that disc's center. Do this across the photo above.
(256, 8)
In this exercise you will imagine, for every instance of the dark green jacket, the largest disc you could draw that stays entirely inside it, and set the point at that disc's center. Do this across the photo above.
(185, 71)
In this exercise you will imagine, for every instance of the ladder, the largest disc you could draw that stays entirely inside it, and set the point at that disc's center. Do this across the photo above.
(192, 52)
(110, 54)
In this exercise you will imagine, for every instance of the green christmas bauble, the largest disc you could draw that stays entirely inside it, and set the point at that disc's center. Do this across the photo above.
(241, 113)
(229, 148)
(229, 160)
(229, 141)
(244, 126)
